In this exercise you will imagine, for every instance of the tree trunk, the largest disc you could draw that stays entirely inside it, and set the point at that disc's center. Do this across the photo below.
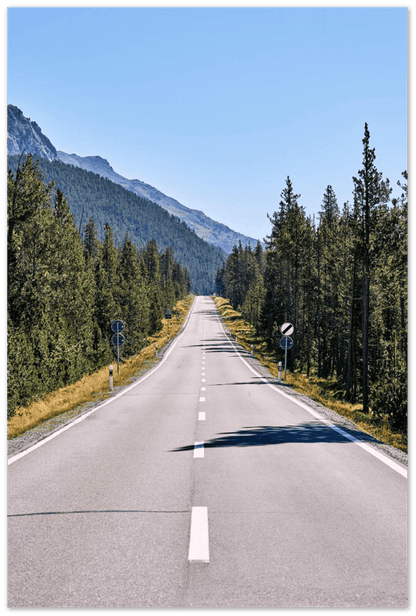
(366, 312)
(349, 376)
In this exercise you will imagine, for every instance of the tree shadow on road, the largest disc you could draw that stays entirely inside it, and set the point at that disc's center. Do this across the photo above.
(312, 432)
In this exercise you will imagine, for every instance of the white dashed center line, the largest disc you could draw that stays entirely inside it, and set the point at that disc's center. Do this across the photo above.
(201, 416)
(199, 541)
(199, 449)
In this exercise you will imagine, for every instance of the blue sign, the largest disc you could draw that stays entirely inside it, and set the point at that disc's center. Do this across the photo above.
(117, 339)
(286, 343)
(117, 326)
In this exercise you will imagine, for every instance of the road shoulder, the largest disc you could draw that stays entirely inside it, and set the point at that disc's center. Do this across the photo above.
(326, 413)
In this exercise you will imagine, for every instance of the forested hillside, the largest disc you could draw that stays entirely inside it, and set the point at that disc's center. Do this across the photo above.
(341, 280)
(65, 290)
(91, 196)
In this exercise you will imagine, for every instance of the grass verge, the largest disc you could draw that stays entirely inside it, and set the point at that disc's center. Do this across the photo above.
(324, 391)
(93, 387)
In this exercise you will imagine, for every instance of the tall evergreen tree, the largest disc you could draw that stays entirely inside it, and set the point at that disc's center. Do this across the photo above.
(369, 191)
(134, 299)
(151, 259)
(107, 293)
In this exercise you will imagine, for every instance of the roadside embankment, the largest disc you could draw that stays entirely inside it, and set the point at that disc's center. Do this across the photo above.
(324, 391)
(59, 407)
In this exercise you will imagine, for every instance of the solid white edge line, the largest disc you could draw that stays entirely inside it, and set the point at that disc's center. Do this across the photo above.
(85, 415)
(199, 536)
(383, 458)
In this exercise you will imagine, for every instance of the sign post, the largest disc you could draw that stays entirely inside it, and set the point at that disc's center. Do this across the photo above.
(286, 342)
(118, 339)
(168, 316)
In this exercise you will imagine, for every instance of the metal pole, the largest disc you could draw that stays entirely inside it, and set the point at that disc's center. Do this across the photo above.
(285, 358)
(118, 353)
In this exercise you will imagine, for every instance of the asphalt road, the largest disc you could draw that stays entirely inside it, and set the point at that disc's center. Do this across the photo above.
(203, 486)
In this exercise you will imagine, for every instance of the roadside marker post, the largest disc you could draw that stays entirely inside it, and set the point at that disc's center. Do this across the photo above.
(168, 316)
(111, 377)
(286, 342)
(117, 327)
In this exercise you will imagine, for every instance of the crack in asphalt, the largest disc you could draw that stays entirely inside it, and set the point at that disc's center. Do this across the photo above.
(22, 515)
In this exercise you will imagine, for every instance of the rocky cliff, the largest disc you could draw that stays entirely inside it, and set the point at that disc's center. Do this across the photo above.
(23, 135)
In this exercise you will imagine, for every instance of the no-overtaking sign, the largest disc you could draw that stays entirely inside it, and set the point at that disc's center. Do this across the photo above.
(287, 329)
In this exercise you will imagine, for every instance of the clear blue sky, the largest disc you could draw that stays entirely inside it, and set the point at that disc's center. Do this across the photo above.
(217, 106)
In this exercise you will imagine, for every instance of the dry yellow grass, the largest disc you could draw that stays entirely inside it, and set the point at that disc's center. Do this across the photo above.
(95, 386)
(321, 390)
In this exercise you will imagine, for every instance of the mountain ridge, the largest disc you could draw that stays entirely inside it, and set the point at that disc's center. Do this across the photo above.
(92, 197)
(25, 135)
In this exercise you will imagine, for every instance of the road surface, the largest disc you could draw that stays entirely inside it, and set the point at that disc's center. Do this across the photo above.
(203, 486)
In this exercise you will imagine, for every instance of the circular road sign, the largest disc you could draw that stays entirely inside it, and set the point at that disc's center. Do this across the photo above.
(286, 343)
(117, 326)
(287, 329)
(117, 339)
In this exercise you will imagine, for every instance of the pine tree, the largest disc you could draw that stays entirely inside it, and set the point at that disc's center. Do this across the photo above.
(107, 301)
(134, 299)
(369, 191)
(72, 293)
(91, 243)
(329, 279)
(167, 264)
(219, 282)
(151, 259)
(29, 223)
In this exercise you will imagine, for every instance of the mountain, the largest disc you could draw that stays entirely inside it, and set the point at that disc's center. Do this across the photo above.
(91, 196)
(23, 134)
(211, 231)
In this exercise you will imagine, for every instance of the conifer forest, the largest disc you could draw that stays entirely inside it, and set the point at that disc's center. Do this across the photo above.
(91, 196)
(341, 279)
(65, 288)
